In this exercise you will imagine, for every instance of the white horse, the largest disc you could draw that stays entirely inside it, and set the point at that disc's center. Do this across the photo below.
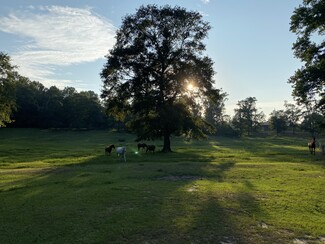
(121, 151)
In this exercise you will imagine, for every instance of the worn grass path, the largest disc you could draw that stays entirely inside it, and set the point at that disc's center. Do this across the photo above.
(59, 187)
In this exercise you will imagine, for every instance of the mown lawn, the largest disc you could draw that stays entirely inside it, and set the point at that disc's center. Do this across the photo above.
(59, 187)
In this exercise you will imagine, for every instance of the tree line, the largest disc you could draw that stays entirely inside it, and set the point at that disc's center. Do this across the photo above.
(26, 103)
(248, 120)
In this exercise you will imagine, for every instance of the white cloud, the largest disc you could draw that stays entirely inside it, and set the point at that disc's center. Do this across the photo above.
(57, 36)
(205, 1)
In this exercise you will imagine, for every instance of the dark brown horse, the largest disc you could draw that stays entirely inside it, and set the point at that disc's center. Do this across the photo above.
(142, 145)
(312, 146)
(108, 149)
(151, 148)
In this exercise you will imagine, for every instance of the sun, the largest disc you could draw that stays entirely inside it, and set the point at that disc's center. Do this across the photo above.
(190, 87)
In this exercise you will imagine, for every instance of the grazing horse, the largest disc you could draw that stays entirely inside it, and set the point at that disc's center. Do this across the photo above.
(312, 146)
(151, 148)
(121, 151)
(141, 145)
(108, 149)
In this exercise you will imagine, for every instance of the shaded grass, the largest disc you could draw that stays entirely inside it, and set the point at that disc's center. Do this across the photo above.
(60, 187)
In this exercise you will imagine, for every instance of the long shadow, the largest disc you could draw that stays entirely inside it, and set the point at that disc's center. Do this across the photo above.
(103, 200)
(179, 198)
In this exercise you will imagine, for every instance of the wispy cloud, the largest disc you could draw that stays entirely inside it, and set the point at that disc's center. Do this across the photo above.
(205, 1)
(57, 36)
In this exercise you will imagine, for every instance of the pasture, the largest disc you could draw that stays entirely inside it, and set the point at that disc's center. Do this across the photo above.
(60, 187)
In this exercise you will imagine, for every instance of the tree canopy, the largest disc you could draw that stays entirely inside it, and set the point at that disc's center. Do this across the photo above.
(292, 113)
(247, 118)
(308, 22)
(42, 107)
(157, 73)
(278, 121)
(7, 89)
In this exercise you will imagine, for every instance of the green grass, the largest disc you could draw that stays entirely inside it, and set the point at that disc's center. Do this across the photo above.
(59, 187)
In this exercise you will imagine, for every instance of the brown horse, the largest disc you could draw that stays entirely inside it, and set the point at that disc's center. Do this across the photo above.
(108, 149)
(312, 146)
(142, 145)
(151, 148)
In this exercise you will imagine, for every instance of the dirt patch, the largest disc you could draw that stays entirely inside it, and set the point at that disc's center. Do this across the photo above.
(300, 241)
(263, 225)
(228, 240)
(193, 188)
(308, 239)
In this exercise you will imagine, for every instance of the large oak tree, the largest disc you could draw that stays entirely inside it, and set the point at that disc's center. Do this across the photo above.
(308, 22)
(158, 55)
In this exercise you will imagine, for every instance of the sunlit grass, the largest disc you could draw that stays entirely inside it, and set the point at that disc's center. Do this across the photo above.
(60, 187)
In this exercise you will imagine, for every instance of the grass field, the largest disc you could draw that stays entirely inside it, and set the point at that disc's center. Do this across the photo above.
(59, 187)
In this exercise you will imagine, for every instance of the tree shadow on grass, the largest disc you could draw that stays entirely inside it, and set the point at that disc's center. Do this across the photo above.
(179, 197)
(103, 200)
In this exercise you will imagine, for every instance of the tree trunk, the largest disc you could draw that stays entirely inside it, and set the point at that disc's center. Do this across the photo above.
(166, 147)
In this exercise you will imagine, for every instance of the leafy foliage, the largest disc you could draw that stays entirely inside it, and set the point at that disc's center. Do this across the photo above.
(278, 121)
(7, 89)
(215, 110)
(158, 52)
(247, 118)
(308, 22)
(312, 122)
(292, 113)
(40, 107)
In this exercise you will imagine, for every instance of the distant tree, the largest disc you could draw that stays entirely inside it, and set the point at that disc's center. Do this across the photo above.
(29, 102)
(226, 128)
(247, 118)
(7, 89)
(308, 82)
(293, 114)
(88, 110)
(312, 122)
(158, 53)
(52, 112)
(215, 115)
(70, 117)
(278, 121)
(82, 109)
(215, 110)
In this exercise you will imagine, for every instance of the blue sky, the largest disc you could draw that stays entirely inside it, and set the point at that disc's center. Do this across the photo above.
(64, 43)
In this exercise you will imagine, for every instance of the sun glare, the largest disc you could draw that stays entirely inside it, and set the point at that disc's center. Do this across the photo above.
(190, 87)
